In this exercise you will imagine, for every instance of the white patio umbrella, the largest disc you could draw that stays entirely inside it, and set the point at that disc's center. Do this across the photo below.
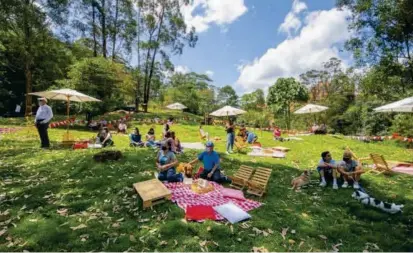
(227, 111)
(404, 105)
(66, 95)
(311, 108)
(176, 106)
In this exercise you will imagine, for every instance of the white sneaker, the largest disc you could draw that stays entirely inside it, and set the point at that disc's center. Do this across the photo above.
(227, 153)
(323, 184)
(345, 185)
(356, 185)
(156, 174)
(335, 186)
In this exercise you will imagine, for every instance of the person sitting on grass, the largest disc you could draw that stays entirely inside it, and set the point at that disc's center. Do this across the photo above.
(122, 128)
(251, 137)
(176, 143)
(136, 138)
(104, 138)
(327, 168)
(277, 134)
(242, 132)
(350, 169)
(150, 138)
(204, 135)
(211, 165)
(165, 130)
(165, 163)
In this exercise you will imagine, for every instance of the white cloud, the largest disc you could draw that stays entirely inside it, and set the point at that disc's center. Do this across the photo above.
(182, 69)
(210, 73)
(316, 43)
(292, 21)
(220, 12)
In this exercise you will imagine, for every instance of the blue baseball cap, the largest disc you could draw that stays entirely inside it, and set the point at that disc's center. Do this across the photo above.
(209, 144)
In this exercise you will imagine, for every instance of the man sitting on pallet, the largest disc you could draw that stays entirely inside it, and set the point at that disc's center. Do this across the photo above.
(211, 165)
(350, 169)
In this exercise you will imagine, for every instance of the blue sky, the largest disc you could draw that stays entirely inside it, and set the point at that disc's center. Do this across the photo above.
(248, 44)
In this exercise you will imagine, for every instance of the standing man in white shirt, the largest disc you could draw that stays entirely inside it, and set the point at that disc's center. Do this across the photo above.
(43, 116)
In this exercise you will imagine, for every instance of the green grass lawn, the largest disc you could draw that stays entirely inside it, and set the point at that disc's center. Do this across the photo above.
(61, 199)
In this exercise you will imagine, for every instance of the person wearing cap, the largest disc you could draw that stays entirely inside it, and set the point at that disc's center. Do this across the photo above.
(43, 116)
(211, 164)
(350, 169)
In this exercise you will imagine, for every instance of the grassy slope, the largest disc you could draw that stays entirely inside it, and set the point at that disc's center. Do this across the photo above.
(38, 183)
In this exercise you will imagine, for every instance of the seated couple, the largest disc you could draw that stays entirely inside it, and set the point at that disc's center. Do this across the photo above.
(104, 138)
(350, 170)
(166, 162)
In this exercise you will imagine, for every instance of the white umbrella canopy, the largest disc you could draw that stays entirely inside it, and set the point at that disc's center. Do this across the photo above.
(311, 108)
(227, 111)
(176, 106)
(404, 105)
(66, 95)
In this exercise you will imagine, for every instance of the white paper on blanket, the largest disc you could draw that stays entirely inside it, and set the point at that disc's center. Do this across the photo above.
(232, 212)
(94, 145)
(193, 145)
(188, 181)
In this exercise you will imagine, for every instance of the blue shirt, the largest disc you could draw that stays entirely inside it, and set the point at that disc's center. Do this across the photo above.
(251, 137)
(166, 158)
(136, 137)
(349, 167)
(209, 160)
(321, 162)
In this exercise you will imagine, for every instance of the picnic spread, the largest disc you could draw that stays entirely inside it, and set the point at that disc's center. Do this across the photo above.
(190, 201)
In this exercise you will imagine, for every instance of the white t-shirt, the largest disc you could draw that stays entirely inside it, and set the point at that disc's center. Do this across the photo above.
(18, 108)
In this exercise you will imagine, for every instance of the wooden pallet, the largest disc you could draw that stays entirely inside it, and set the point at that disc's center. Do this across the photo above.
(259, 181)
(241, 177)
(152, 192)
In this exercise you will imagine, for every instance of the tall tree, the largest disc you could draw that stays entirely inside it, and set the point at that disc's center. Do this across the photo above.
(26, 24)
(382, 34)
(166, 33)
(227, 96)
(253, 101)
(284, 93)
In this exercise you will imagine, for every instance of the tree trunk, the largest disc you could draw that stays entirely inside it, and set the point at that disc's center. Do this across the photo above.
(95, 51)
(27, 59)
(138, 82)
(115, 29)
(148, 86)
(103, 23)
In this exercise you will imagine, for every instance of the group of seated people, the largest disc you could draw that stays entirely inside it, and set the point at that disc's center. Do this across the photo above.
(168, 137)
(246, 135)
(316, 129)
(350, 170)
(166, 163)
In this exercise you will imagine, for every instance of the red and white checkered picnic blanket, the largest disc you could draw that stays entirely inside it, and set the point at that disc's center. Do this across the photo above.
(184, 197)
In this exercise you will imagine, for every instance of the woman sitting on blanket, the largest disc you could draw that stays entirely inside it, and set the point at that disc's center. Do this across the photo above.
(122, 127)
(136, 138)
(251, 137)
(150, 138)
(104, 137)
(176, 143)
(165, 163)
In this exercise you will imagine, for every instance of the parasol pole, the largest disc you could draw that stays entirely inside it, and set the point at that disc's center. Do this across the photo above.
(68, 111)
